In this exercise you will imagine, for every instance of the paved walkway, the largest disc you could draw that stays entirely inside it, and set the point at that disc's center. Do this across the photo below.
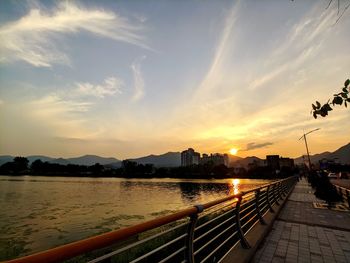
(303, 233)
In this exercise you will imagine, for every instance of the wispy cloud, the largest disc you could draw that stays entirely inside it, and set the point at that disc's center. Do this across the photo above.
(54, 104)
(139, 83)
(303, 42)
(33, 37)
(213, 75)
(111, 86)
(253, 146)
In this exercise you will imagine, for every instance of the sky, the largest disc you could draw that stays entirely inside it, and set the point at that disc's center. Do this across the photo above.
(126, 79)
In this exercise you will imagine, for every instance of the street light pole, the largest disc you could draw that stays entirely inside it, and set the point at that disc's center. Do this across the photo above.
(307, 148)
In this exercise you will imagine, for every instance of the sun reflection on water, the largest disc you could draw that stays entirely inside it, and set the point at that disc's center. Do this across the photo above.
(235, 184)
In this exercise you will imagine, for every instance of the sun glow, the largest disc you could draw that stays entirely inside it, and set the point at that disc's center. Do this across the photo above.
(235, 184)
(233, 151)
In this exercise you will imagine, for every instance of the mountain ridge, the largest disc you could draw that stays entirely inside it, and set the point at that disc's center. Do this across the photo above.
(173, 159)
(342, 154)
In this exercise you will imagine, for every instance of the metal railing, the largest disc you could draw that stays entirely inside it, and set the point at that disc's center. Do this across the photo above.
(202, 233)
(344, 193)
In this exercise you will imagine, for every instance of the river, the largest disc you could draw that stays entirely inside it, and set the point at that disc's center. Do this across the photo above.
(38, 213)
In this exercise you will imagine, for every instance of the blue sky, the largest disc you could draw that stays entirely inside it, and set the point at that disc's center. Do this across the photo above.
(131, 78)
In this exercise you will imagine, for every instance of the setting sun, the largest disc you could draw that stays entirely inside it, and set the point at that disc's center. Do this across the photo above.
(233, 151)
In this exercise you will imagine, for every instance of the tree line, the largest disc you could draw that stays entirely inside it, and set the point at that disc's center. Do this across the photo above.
(131, 169)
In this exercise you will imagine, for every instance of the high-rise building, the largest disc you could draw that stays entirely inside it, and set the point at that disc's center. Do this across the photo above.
(189, 157)
(286, 162)
(216, 159)
(273, 161)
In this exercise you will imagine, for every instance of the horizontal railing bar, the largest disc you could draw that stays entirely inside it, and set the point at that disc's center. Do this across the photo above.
(172, 255)
(247, 215)
(247, 207)
(262, 203)
(246, 202)
(264, 207)
(213, 219)
(249, 197)
(251, 227)
(211, 230)
(137, 243)
(200, 249)
(223, 243)
(218, 209)
(233, 246)
(252, 218)
(159, 248)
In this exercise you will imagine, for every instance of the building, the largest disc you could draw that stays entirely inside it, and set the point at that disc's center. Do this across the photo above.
(273, 161)
(216, 159)
(189, 157)
(276, 162)
(286, 162)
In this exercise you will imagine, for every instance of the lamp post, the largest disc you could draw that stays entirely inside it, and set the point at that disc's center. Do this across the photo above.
(307, 148)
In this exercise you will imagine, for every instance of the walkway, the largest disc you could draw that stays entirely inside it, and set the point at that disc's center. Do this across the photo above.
(303, 233)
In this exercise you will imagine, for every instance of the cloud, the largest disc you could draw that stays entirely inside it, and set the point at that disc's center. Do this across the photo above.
(139, 84)
(54, 104)
(303, 42)
(110, 86)
(252, 145)
(33, 38)
(214, 74)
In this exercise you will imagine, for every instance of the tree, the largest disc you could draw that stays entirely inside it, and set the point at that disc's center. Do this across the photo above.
(21, 164)
(96, 169)
(338, 99)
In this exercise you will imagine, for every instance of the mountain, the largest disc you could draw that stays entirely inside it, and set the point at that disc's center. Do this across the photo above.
(91, 160)
(244, 162)
(5, 159)
(32, 158)
(342, 155)
(170, 159)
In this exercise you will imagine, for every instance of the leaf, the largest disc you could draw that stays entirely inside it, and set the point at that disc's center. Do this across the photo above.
(347, 82)
(345, 90)
(344, 95)
(337, 100)
(318, 105)
(315, 115)
(346, 105)
(314, 107)
(327, 107)
(348, 99)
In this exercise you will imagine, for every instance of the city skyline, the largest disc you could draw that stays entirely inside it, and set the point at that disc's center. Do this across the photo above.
(128, 79)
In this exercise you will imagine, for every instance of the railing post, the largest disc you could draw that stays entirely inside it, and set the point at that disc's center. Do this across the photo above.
(340, 193)
(275, 195)
(241, 236)
(257, 198)
(284, 188)
(281, 190)
(189, 257)
(268, 200)
(348, 197)
(279, 195)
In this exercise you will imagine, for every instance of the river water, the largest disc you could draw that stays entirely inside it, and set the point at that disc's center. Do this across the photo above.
(38, 212)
